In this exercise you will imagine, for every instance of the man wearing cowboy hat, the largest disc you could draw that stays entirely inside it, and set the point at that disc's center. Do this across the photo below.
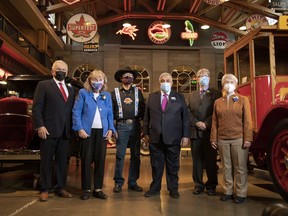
(128, 109)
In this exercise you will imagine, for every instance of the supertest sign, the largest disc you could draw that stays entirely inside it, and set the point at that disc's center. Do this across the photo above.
(81, 27)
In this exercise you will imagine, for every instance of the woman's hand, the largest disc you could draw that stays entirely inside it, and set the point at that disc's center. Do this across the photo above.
(246, 144)
(108, 135)
(214, 145)
(82, 134)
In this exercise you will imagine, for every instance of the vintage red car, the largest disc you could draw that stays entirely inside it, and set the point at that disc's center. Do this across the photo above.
(259, 60)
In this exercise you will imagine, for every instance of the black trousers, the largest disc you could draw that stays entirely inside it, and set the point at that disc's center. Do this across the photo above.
(93, 150)
(204, 155)
(53, 149)
(162, 154)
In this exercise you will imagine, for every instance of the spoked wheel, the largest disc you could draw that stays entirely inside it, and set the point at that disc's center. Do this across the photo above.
(278, 159)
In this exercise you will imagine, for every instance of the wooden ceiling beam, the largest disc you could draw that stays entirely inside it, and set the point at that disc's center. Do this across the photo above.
(147, 6)
(255, 8)
(173, 5)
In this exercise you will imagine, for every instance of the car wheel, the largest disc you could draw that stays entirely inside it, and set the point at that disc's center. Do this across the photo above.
(278, 158)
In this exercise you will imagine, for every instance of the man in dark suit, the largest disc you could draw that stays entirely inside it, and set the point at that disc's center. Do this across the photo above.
(52, 114)
(166, 127)
(201, 108)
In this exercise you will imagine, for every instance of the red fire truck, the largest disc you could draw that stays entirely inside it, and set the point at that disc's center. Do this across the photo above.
(259, 61)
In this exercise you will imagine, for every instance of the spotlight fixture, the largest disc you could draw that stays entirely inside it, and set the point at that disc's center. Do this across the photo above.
(166, 25)
(126, 24)
(205, 26)
(243, 28)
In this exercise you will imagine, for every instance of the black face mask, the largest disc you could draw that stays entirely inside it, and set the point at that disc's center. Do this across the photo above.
(60, 75)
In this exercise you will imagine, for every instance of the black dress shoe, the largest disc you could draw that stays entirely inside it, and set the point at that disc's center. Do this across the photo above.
(117, 189)
(174, 194)
(85, 195)
(150, 193)
(197, 191)
(135, 187)
(226, 197)
(99, 195)
(239, 200)
(211, 192)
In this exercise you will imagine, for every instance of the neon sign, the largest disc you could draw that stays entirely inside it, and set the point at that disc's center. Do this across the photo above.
(157, 33)
(129, 31)
(189, 33)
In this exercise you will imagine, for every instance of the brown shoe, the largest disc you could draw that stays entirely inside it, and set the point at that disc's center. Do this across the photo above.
(65, 194)
(43, 196)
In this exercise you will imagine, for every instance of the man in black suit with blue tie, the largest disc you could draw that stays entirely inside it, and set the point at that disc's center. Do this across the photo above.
(52, 114)
(166, 127)
(201, 104)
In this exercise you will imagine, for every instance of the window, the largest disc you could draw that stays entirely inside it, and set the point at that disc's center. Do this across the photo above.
(142, 81)
(82, 72)
(184, 79)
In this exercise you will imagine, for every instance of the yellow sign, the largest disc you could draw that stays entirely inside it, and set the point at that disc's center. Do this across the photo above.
(283, 22)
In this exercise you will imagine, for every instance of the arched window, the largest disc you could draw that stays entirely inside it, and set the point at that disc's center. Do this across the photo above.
(142, 81)
(219, 80)
(184, 79)
(82, 72)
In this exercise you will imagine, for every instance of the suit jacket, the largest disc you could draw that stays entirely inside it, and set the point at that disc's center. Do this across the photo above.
(85, 108)
(202, 110)
(51, 110)
(172, 124)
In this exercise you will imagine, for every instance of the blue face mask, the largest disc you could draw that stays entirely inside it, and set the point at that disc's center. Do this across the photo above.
(165, 87)
(204, 81)
(97, 85)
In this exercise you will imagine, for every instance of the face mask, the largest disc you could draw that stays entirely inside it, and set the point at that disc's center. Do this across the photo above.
(60, 75)
(229, 87)
(204, 81)
(127, 80)
(165, 87)
(97, 85)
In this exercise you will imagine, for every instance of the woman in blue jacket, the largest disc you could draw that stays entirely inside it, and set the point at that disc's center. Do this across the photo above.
(93, 120)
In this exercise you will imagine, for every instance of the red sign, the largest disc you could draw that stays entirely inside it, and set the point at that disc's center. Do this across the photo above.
(218, 40)
(158, 34)
(81, 28)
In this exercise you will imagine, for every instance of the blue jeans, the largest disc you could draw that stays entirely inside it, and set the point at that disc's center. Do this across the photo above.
(128, 133)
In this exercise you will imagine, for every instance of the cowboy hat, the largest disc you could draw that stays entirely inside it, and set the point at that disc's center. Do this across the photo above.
(119, 73)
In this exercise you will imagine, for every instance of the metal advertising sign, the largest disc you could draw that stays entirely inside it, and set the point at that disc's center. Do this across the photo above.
(218, 40)
(255, 21)
(81, 27)
(93, 45)
(279, 4)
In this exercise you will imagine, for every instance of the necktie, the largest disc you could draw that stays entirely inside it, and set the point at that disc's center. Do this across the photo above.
(63, 91)
(164, 102)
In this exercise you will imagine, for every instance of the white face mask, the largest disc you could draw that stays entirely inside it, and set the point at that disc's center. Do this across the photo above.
(229, 87)
(165, 87)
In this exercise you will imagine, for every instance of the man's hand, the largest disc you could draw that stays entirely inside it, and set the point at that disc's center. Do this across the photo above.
(82, 134)
(185, 141)
(214, 145)
(201, 125)
(42, 132)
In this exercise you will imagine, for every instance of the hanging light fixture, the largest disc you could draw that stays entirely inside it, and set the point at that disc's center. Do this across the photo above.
(126, 24)
(166, 25)
(243, 28)
(205, 26)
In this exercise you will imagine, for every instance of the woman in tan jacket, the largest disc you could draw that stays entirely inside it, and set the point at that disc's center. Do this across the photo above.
(232, 134)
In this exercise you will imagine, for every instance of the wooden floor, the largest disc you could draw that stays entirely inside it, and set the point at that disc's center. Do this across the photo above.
(17, 196)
